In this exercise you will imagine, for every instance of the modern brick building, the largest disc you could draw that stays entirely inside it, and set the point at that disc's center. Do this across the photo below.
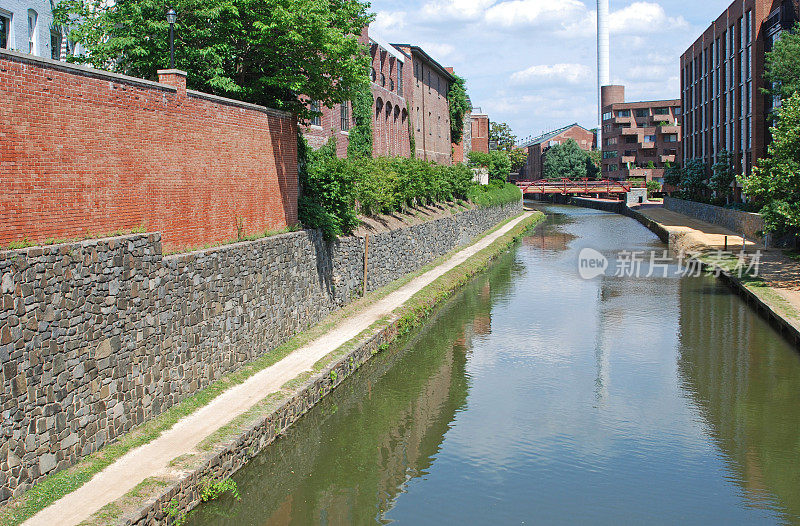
(480, 131)
(722, 78)
(640, 139)
(537, 148)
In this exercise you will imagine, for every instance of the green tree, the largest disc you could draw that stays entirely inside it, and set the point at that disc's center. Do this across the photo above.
(775, 181)
(782, 66)
(673, 175)
(566, 160)
(722, 177)
(693, 180)
(459, 106)
(269, 52)
(594, 163)
(653, 187)
(501, 132)
(518, 156)
(497, 162)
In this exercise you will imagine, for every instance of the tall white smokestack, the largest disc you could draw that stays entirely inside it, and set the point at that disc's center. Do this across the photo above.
(603, 67)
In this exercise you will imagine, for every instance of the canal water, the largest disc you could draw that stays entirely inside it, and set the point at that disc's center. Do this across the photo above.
(538, 397)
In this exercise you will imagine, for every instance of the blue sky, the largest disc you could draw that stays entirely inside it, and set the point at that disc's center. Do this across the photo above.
(532, 63)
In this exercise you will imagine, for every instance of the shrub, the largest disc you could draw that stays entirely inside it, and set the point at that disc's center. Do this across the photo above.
(498, 162)
(335, 191)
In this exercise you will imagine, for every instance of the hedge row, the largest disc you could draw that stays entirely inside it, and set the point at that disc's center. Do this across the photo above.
(335, 191)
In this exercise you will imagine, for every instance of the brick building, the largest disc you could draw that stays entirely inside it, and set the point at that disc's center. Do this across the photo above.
(409, 90)
(479, 124)
(537, 148)
(390, 126)
(640, 139)
(721, 82)
(27, 26)
(429, 84)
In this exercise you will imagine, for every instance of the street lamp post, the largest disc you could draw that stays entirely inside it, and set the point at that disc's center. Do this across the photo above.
(171, 17)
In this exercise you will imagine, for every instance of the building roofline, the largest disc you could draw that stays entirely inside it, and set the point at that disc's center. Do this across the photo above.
(676, 102)
(446, 74)
(396, 53)
(549, 135)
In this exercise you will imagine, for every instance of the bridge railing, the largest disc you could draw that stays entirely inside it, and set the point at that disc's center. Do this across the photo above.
(567, 186)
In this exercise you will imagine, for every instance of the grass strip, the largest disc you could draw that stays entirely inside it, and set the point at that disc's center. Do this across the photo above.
(55, 486)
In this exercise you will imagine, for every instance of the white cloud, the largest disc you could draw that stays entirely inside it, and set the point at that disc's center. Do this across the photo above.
(552, 73)
(438, 51)
(389, 23)
(456, 9)
(533, 12)
(639, 18)
(644, 17)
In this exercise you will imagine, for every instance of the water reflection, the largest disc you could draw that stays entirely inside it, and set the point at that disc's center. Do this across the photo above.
(747, 388)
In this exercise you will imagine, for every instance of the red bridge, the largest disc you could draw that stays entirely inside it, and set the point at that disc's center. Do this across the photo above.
(569, 187)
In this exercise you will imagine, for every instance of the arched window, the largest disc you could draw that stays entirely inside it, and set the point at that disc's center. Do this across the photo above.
(372, 74)
(33, 30)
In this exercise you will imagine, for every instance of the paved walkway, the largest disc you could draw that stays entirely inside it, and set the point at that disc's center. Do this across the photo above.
(152, 459)
(780, 272)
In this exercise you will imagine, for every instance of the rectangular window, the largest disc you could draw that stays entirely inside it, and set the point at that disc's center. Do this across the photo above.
(677, 111)
(607, 116)
(642, 113)
(612, 140)
(631, 139)
(32, 31)
(55, 44)
(671, 137)
(649, 138)
(316, 120)
(400, 79)
(661, 111)
(345, 116)
(5, 31)
(610, 155)
(623, 113)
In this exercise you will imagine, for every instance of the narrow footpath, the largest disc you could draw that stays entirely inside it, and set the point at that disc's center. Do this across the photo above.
(153, 459)
(779, 273)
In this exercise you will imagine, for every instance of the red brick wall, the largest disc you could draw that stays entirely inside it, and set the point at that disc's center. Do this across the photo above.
(480, 133)
(83, 151)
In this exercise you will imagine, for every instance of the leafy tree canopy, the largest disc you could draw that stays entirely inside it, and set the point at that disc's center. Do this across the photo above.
(498, 163)
(501, 132)
(268, 52)
(722, 176)
(782, 66)
(693, 180)
(518, 157)
(566, 160)
(459, 106)
(775, 181)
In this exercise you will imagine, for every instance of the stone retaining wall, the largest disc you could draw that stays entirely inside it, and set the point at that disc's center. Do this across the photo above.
(739, 222)
(99, 336)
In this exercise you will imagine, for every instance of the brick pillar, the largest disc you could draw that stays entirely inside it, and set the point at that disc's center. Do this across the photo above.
(175, 78)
